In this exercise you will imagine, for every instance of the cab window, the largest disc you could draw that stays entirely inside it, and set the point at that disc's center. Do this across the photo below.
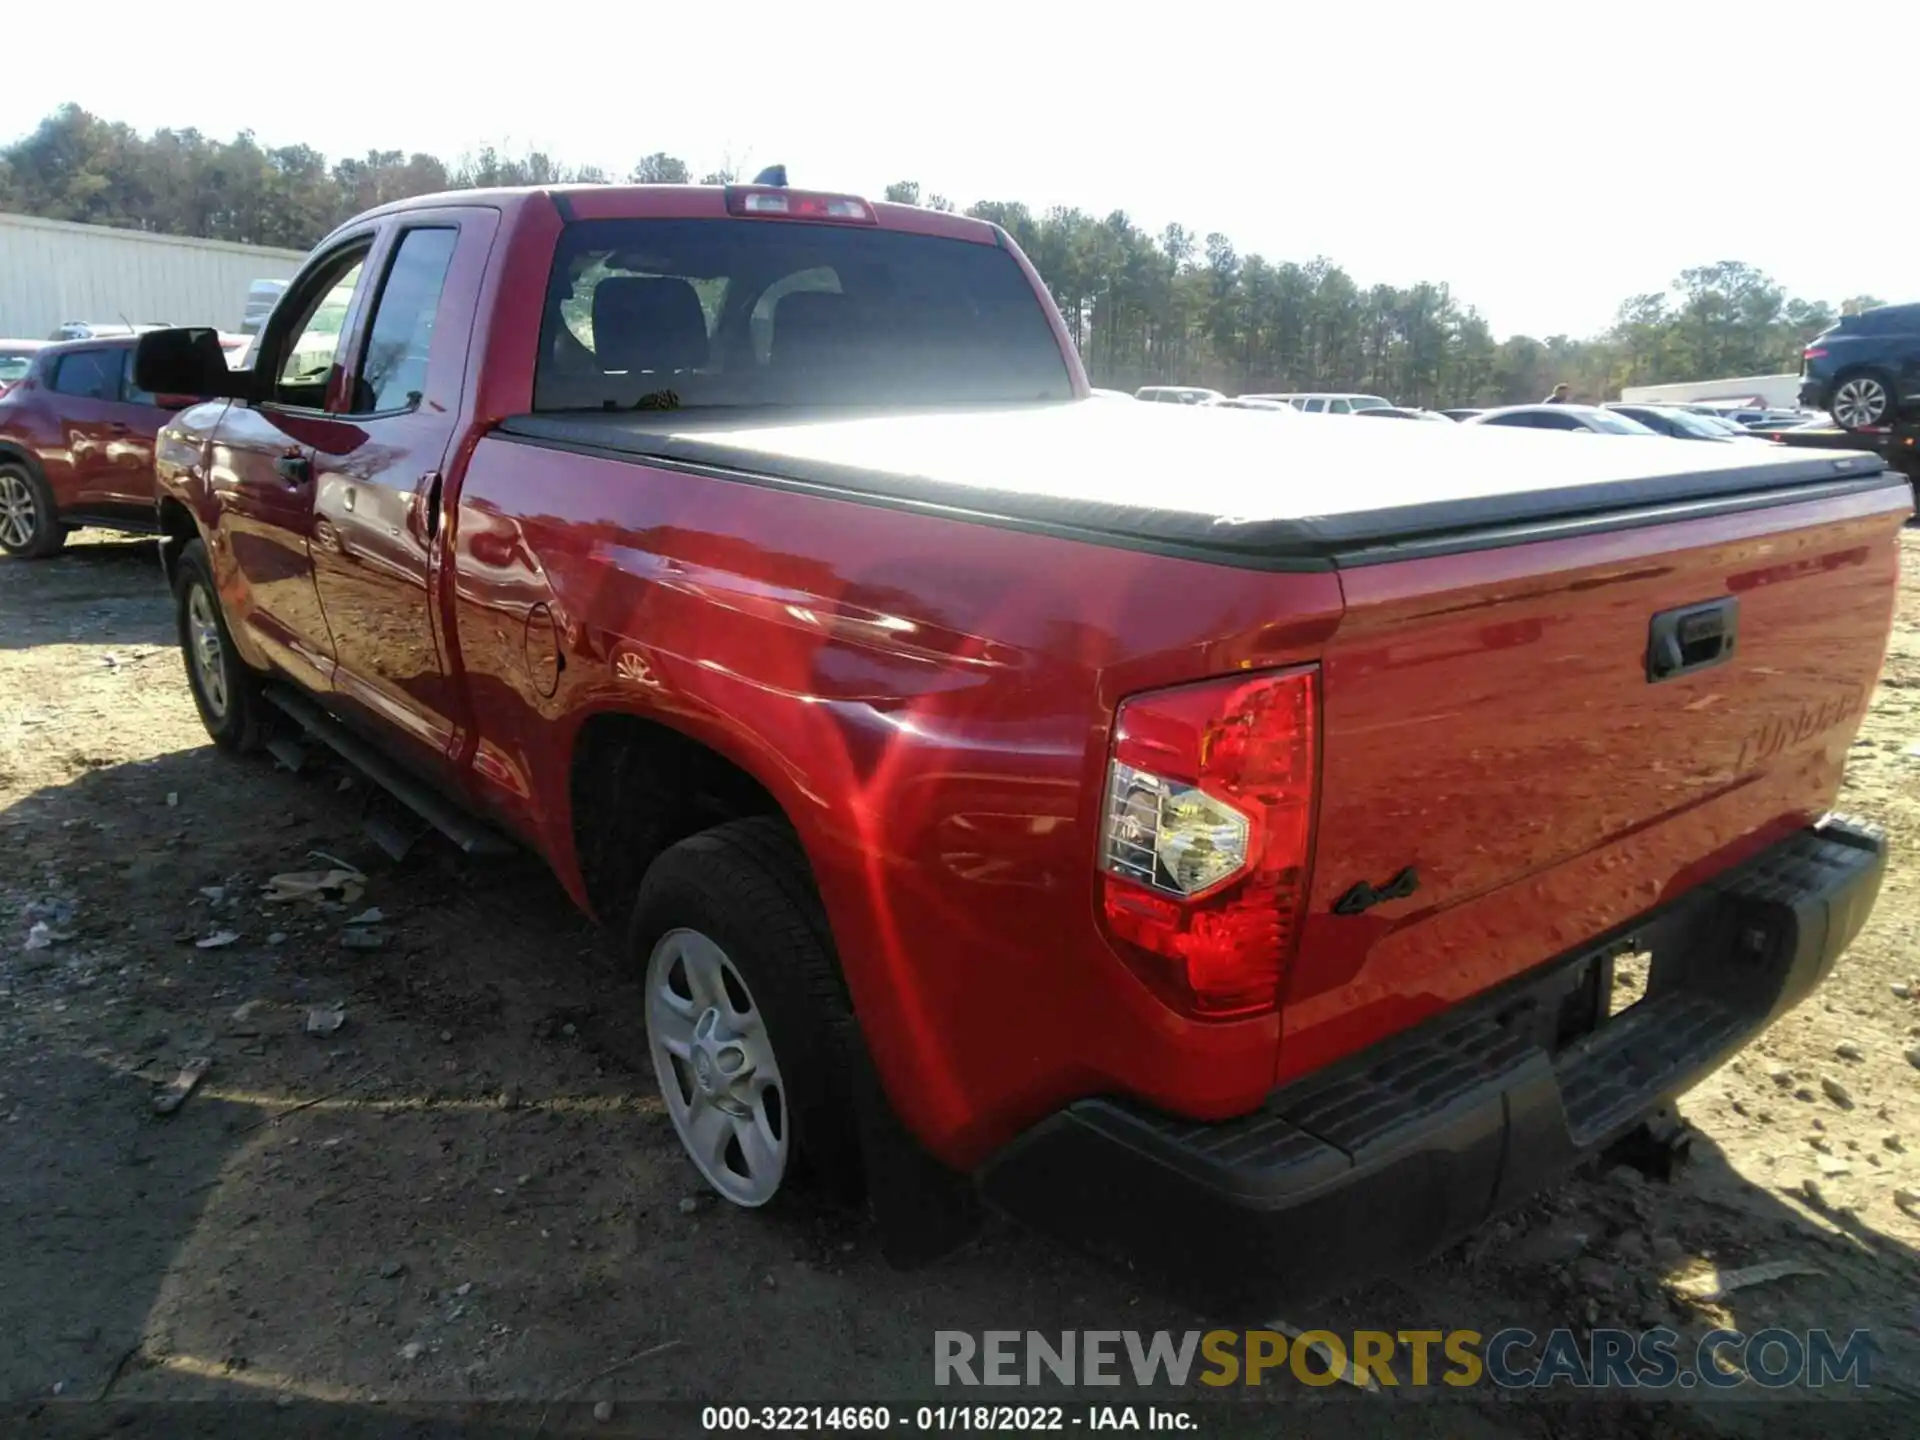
(393, 369)
(716, 314)
(301, 351)
(88, 374)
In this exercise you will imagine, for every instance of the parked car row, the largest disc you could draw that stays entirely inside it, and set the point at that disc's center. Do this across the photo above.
(1863, 371)
(1315, 402)
(1681, 422)
(1600, 420)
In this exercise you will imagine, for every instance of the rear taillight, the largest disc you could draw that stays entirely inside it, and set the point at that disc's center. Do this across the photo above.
(1207, 837)
(799, 205)
(1813, 352)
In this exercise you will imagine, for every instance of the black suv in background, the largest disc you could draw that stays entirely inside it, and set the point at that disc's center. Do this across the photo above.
(1866, 368)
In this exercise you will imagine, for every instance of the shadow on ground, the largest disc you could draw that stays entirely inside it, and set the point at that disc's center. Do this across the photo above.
(466, 1196)
(101, 590)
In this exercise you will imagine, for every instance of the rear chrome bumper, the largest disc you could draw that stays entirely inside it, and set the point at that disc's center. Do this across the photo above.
(1375, 1163)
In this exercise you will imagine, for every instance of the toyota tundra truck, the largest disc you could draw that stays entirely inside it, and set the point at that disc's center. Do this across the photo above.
(1194, 836)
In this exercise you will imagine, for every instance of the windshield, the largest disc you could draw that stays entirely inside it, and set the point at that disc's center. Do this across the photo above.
(1715, 423)
(1370, 402)
(1707, 427)
(704, 314)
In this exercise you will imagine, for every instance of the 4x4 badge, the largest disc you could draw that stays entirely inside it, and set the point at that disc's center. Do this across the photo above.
(1364, 896)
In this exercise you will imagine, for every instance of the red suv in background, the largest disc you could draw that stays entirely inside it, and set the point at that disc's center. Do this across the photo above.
(76, 446)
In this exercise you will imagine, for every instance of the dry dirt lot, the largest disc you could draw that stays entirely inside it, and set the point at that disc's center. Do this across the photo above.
(462, 1207)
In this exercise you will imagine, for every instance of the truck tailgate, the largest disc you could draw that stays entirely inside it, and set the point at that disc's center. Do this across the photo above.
(1501, 723)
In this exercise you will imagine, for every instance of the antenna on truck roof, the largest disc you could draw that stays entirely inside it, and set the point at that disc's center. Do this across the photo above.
(772, 175)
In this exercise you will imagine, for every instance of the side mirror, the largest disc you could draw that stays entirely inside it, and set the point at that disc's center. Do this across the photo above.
(187, 362)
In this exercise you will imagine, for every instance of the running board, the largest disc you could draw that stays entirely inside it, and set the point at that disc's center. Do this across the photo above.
(473, 836)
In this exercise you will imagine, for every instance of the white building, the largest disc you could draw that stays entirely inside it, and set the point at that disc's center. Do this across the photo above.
(1775, 392)
(52, 271)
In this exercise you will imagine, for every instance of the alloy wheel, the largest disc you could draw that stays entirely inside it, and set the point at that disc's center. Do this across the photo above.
(205, 651)
(17, 511)
(717, 1071)
(1860, 402)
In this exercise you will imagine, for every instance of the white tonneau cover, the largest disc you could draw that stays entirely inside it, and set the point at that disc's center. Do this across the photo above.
(1240, 483)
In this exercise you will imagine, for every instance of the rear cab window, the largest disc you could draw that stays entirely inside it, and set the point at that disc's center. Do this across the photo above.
(724, 314)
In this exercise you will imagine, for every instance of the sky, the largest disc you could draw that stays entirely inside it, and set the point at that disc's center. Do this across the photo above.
(1544, 161)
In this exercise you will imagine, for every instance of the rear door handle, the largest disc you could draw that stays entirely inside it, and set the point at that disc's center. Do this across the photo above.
(1690, 638)
(294, 469)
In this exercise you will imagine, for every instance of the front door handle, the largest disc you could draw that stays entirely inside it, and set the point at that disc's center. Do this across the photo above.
(1690, 638)
(294, 469)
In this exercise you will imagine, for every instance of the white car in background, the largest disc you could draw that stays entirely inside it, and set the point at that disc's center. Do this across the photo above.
(1327, 402)
(1178, 394)
(1573, 419)
(1249, 402)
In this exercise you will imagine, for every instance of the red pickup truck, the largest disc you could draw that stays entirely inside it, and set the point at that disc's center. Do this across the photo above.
(1204, 838)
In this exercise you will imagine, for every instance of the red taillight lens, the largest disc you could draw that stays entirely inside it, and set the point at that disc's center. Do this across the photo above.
(799, 205)
(1813, 352)
(1207, 835)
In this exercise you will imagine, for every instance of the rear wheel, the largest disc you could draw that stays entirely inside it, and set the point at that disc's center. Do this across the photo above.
(746, 1021)
(225, 691)
(1861, 400)
(29, 521)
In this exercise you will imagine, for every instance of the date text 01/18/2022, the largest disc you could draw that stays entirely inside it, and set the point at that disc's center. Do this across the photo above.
(974, 1419)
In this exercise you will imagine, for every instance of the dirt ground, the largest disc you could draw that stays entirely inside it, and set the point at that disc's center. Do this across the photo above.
(465, 1197)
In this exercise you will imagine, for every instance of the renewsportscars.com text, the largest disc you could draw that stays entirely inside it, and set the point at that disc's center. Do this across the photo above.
(1512, 1359)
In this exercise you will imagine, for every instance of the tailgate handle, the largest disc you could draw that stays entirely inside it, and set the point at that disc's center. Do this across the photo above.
(1693, 637)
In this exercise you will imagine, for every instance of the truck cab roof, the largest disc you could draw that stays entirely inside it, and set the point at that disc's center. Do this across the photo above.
(602, 202)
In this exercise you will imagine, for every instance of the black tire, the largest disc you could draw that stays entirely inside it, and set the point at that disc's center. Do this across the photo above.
(746, 886)
(1862, 399)
(30, 525)
(234, 712)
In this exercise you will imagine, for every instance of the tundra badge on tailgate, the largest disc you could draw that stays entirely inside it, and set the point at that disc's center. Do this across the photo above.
(1364, 896)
